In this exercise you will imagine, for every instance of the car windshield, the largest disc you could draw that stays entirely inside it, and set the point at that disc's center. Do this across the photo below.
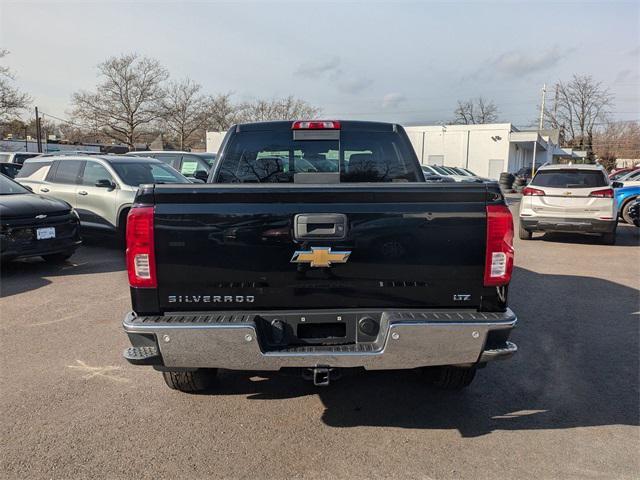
(570, 178)
(629, 175)
(9, 187)
(619, 175)
(440, 170)
(134, 173)
(210, 158)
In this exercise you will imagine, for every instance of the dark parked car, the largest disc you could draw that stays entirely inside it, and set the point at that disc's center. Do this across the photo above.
(17, 157)
(189, 164)
(35, 225)
(10, 169)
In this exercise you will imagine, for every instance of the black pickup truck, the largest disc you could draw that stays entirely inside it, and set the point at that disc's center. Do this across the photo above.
(317, 246)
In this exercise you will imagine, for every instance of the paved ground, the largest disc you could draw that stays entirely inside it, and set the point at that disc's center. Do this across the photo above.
(566, 407)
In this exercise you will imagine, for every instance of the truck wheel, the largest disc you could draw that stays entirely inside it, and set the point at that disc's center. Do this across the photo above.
(190, 382)
(523, 233)
(609, 238)
(625, 213)
(56, 257)
(450, 377)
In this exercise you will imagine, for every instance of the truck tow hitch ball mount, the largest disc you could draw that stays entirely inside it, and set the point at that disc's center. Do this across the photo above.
(321, 376)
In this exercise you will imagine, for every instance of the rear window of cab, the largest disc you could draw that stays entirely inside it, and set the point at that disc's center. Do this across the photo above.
(570, 178)
(359, 156)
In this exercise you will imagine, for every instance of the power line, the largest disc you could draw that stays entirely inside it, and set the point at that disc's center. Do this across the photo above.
(62, 120)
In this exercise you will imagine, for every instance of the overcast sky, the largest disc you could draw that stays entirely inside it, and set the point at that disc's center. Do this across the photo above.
(395, 61)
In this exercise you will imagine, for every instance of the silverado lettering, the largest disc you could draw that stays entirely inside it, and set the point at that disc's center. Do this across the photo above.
(211, 298)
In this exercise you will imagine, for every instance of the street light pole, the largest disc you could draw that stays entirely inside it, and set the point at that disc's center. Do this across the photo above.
(38, 133)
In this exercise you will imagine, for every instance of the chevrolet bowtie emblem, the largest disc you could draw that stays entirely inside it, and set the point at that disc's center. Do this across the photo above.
(320, 257)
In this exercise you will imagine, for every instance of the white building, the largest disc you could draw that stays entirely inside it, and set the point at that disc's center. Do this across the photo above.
(214, 140)
(487, 149)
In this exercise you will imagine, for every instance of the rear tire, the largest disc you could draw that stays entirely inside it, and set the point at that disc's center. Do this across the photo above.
(609, 238)
(57, 257)
(449, 377)
(523, 233)
(190, 382)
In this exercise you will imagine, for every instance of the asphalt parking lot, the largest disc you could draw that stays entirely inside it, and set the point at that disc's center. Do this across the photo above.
(567, 406)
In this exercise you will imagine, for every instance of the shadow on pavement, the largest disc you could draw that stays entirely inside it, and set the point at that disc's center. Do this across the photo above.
(627, 236)
(578, 366)
(97, 254)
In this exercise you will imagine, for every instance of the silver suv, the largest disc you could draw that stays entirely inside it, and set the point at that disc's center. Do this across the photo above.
(100, 188)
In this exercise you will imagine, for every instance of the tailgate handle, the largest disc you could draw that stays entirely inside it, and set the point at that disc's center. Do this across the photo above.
(309, 226)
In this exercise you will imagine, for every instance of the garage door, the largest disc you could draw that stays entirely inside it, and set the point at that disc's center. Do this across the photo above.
(495, 168)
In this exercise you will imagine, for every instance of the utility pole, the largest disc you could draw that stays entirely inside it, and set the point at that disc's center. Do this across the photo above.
(540, 125)
(38, 132)
(26, 145)
(544, 91)
(467, 162)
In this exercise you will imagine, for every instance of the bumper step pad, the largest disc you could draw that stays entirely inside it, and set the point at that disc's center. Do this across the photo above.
(142, 356)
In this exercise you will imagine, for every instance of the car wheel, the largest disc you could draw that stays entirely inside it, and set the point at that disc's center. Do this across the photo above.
(625, 213)
(57, 257)
(449, 377)
(609, 238)
(190, 382)
(523, 233)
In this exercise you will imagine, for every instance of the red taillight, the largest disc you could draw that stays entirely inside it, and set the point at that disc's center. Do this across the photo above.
(499, 254)
(141, 258)
(604, 193)
(316, 125)
(529, 192)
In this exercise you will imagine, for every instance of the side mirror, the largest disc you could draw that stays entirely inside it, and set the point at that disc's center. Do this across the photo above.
(201, 175)
(104, 183)
(617, 184)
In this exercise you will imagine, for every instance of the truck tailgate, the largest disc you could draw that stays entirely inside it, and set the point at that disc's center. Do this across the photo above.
(233, 247)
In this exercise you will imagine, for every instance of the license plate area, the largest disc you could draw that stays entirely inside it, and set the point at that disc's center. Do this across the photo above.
(321, 331)
(45, 233)
(277, 331)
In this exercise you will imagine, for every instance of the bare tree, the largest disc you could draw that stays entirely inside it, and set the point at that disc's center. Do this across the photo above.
(616, 140)
(577, 108)
(475, 111)
(127, 98)
(12, 100)
(183, 110)
(220, 112)
(287, 108)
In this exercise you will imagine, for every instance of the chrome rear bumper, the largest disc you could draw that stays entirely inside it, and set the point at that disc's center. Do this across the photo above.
(407, 339)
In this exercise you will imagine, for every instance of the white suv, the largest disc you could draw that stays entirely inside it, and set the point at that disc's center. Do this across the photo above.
(569, 198)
